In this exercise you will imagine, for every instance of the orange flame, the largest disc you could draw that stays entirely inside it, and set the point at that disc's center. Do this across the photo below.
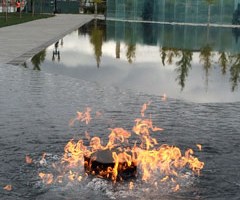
(82, 117)
(148, 156)
(28, 160)
(199, 147)
(131, 185)
(164, 97)
(46, 178)
(144, 108)
(8, 187)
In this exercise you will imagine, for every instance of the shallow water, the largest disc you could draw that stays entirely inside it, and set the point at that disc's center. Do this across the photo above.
(35, 110)
(190, 63)
(38, 100)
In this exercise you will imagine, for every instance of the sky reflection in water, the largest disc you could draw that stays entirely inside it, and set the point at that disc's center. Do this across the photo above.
(199, 64)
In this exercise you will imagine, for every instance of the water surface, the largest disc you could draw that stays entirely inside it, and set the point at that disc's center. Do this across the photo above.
(198, 64)
(36, 106)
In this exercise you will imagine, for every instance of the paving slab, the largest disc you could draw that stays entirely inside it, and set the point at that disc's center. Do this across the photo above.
(22, 41)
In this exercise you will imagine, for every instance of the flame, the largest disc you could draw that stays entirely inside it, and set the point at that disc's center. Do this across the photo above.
(82, 117)
(131, 185)
(144, 108)
(8, 187)
(147, 155)
(199, 146)
(46, 178)
(164, 97)
(28, 160)
(176, 188)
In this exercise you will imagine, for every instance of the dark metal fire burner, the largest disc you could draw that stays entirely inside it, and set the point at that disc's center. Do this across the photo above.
(100, 161)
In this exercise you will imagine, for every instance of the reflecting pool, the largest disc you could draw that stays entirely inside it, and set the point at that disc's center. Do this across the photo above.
(198, 64)
(115, 68)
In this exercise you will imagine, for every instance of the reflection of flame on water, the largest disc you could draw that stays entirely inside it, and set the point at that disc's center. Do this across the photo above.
(153, 163)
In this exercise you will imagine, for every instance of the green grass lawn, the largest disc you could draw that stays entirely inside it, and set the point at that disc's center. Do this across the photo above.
(14, 18)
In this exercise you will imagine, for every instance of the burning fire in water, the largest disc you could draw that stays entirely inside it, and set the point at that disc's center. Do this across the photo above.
(143, 159)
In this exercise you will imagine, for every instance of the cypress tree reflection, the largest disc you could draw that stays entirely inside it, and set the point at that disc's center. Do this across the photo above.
(163, 53)
(130, 43)
(96, 39)
(206, 57)
(38, 59)
(235, 72)
(184, 64)
(223, 61)
(118, 47)
(131, 49)
(170, 55)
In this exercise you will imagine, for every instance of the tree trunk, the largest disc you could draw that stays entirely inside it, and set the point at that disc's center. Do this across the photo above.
(209, 13)
(20, 11)
(6, 13)
(33, 7)
(95, 10)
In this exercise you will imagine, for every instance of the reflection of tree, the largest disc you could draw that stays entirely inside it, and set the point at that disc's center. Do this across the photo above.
(96, 40)
(163, 53)
(170, 55)
(118, 45)
(130, 43)
(223, 61)
(209, 2)
(148, 10)
(38, 59)
(235, 71)
(205, 57)
(184, 64)
(131, 48)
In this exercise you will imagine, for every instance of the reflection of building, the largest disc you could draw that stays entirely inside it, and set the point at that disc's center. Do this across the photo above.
(190, 11)
(178, 37)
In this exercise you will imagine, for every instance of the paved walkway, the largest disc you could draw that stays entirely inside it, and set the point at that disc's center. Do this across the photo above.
(22, 41)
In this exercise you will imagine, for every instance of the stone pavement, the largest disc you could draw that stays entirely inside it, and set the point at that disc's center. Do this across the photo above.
(22, 41)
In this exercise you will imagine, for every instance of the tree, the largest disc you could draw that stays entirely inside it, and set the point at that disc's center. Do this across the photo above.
(38, 59)
(235, 71)
(206, 57)
(209, 2)
(118, 46)
(223, 61)
(163, 53)
(184, 64)
(33, 7)
(131, 52)
(96, 2)
(96, 40)
(6, 13)
(171, 54)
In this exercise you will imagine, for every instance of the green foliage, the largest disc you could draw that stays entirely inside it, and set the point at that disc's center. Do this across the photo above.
(96, 40)
(38, 59)
(184, 64)
(223, 61)
(13, 18)
(235, 71)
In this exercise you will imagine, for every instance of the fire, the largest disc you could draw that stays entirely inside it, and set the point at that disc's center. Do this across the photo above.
(82, 117)
(164, 97)
(117, 159)
(199, 147)
(8, 187)
(46, 178)
(28, 159)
